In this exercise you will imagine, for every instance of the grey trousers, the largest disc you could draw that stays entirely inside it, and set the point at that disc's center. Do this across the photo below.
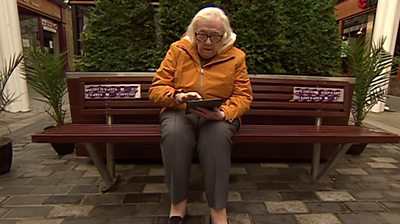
(182, 134)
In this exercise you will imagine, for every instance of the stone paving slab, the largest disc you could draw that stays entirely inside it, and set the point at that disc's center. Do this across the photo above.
(43, 187)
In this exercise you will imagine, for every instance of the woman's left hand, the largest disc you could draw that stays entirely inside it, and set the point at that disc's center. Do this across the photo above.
(215, 114)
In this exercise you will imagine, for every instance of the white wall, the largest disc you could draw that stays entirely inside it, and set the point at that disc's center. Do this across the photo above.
(10, 44)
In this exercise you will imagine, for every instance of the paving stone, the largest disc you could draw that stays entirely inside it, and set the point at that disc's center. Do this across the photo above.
(4, 211)
(40, 173)
(374, 178)
(250, 178)
(9, 221)
(352, 171)
(345, 186)
(130, 220)
(235, 218)
(63, 199)
(261, 196)
(112, 210)
(155, 188)
(70, 211)
(84, 220)
(48, 181)
(2, 199)
(142, 198)
(102, 199)
(91, 173)
(238, 171)
(390, 218)
(298, 196)
(286, 207)
(317, 219)
(380, 165)
(250, 208)
(129, 188)
(360, 218)
(29, 212)
(274, 165)
(198, 209)
(286, 178)
(384, 159)
(262, 172)
(368, 194)
(14, 182)
(273, 186)
(392, 206)
(234, 196)
(335, 196)
(274, 219)
(50, 190)
(151, 210)
(364, 206)
(9, 191)
(84, 189)
(25, 200)
(373, 186)
(41, 221)
(326, 207)
(193, 196)
(78, 181)
(157, 172)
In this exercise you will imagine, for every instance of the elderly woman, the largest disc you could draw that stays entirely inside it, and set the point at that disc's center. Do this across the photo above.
(204, 64)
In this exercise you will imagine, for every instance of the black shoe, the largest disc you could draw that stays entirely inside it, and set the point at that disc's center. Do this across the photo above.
(175, 220)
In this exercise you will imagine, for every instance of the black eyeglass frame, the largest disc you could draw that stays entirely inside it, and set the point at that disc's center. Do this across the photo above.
(209, 36)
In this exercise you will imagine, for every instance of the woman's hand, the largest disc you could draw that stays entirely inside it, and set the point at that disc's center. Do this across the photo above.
(215, 114)
(183, 97)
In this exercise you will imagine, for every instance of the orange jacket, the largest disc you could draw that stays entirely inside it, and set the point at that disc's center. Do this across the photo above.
(225, 76)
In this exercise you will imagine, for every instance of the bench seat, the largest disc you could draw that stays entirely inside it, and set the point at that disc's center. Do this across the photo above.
(150, 133)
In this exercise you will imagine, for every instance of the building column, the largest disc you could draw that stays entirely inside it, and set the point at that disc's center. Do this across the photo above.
(10, 44)
(386, 25)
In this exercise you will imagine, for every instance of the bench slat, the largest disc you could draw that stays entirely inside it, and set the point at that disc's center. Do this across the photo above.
(149, 133)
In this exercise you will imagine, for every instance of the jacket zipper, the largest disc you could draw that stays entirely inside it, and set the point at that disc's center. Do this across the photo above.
(201, 80)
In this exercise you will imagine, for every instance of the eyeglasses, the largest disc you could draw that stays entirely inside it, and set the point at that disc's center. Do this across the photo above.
(214, 38)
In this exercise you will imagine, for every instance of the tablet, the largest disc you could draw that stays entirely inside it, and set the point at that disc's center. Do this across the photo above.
(208, 103)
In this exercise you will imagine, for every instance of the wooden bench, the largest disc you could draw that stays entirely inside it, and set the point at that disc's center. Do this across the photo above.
(284, 110)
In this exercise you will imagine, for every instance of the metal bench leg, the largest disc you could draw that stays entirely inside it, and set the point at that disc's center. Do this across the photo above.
(108, 179)
(110, 159)
(342, 149)
(316, 160)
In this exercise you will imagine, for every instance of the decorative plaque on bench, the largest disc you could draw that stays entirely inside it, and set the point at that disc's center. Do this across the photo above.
(314, 94)
(112, 91)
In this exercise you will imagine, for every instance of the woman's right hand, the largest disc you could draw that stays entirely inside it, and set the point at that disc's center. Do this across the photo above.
(183, 97)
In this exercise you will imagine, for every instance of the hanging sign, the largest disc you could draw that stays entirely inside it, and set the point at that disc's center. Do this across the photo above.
(311, 94)
(112, 91)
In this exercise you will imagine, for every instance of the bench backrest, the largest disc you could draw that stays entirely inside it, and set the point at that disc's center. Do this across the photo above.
(274, 99)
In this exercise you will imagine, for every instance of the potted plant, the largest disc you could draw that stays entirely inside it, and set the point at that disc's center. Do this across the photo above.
(44, 72)
(371, 65)
(6, 99)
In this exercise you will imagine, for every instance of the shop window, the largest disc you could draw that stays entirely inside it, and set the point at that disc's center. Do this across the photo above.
(29, 30)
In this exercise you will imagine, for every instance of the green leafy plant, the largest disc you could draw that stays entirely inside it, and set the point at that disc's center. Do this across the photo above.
(120, 36)
(44, 72)
(371, 65)
(7, 98)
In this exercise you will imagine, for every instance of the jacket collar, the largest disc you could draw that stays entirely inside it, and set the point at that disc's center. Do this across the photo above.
(224, 53)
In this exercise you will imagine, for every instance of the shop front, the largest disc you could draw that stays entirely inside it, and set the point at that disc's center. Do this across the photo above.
(42, 24)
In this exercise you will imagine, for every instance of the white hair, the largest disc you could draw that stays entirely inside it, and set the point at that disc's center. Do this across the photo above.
(210, 14)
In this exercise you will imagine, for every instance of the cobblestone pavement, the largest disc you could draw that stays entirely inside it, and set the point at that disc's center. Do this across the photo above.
(43, 187)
